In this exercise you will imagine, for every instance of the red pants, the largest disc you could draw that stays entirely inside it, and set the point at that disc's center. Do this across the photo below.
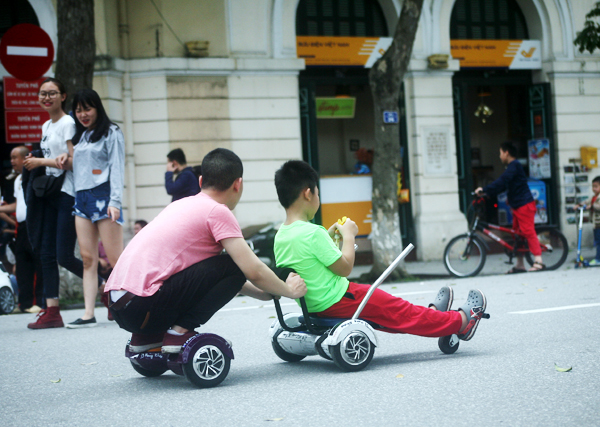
(524, 222)
(394, 314)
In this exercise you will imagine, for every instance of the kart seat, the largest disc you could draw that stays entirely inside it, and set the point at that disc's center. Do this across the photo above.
(330, 322)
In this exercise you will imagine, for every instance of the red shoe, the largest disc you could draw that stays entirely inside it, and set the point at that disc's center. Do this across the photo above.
(104, 300)
(172, 343)
(48, 318)
(140, 343)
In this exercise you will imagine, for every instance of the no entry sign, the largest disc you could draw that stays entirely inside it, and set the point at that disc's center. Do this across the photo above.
(26, 51)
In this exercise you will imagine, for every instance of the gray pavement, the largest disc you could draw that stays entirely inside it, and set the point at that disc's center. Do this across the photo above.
(504, 376)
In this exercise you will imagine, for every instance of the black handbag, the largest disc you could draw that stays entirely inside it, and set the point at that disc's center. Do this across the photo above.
(48, 186)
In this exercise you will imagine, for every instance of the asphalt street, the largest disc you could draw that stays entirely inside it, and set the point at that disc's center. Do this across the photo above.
(506, 375)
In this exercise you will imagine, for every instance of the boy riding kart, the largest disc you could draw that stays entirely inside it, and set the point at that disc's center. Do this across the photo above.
(310, 251)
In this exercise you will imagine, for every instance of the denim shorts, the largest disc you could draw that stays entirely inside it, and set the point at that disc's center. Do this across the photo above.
(93, 204)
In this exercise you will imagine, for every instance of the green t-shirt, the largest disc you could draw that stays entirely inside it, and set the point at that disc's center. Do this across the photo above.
(308, 249)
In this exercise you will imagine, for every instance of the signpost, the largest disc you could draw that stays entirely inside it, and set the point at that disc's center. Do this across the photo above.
(26, 51)
(23, 116)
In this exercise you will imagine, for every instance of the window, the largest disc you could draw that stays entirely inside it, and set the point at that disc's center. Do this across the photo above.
(488, 20)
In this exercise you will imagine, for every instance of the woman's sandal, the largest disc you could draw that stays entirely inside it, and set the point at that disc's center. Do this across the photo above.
(537, 266)
(516, 270)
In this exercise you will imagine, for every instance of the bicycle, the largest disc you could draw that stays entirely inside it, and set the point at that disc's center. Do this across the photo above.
(465, 255)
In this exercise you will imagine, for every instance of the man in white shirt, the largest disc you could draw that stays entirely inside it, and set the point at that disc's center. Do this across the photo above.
(28, 266)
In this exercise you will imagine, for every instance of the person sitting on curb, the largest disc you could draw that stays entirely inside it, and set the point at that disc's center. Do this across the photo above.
(309, 249)
(172, 277)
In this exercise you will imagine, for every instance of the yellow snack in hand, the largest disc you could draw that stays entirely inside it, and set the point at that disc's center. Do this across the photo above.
(342, 221)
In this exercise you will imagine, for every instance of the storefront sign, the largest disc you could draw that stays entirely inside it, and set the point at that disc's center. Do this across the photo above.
(511, 54)
(24, 126)
(341, 51)
(539, 158)
(20, 95)
(437, 152)
(335, 108)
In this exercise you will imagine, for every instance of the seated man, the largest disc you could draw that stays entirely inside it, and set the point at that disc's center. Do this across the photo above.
(171, 277)
(309, 249)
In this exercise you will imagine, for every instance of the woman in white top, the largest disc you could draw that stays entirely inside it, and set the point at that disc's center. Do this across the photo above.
(98, 170)
(50, 221)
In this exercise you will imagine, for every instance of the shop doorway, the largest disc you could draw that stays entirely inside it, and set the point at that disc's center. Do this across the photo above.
(338, 148)
(493, 106)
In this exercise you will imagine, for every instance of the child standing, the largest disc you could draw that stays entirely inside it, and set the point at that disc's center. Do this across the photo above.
(309, 249)
(593, 203)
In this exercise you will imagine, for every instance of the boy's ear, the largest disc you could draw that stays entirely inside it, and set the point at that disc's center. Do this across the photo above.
(307, 194)
(237, 184)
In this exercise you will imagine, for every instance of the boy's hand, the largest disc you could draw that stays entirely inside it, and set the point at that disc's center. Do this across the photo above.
(347, 229)
(297, 285)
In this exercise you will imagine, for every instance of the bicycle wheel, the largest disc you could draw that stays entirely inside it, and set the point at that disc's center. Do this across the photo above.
(464, 256)
(554, 248)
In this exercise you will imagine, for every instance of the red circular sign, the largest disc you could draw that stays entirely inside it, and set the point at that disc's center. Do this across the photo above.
(26, 51)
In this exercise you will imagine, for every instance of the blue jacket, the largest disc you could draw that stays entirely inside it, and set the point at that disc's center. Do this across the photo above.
(515, 181)
(186, 184)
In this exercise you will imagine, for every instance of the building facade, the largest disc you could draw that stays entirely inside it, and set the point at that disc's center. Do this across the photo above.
(250, 92)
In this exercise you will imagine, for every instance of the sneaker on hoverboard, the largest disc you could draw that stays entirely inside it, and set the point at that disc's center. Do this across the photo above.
(474, 308)
(173, 343)
(140, 343)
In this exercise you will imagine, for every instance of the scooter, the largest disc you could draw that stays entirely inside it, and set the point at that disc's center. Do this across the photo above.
(7, 294)
(349, 343)
(204, 360)
(579, 261)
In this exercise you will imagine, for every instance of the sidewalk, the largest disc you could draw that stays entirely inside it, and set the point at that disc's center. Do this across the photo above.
(495, 264)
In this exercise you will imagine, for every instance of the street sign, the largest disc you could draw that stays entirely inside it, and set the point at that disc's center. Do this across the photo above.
(26, 51)
(390, 117)
(20, 95)
(24, 126)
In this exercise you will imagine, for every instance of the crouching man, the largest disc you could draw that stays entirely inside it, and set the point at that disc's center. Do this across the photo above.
(172, 277)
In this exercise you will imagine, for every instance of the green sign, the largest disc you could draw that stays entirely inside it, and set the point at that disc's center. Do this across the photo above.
(335, 108)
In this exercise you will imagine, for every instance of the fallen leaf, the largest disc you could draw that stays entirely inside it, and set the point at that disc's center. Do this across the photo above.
(271, 317)
(394, 287)
(274, 419)
(89, 363)
(55, 381)
(399, 376)
(559, 369)
(116, 375)
(540, 290)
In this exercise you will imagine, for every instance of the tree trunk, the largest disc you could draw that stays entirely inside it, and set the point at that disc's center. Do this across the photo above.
(76, 45)
(385, 79)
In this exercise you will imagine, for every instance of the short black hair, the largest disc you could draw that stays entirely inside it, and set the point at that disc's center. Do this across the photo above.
(141, 222)
(90, 98)
(510, 147)
(596, 180)
(177, 155)
(292, 178)
(220, 168)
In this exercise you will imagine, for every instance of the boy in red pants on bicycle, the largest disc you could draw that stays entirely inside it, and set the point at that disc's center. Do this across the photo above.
(309, 249)
(521, 201)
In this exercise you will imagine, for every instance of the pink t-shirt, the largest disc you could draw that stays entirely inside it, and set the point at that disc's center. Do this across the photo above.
(184, 233)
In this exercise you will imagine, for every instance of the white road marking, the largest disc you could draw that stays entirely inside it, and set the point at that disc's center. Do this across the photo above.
(270, 305)
(26, 51)
(564, 307)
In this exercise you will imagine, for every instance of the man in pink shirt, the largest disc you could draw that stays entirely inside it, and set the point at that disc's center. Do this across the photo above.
(172, 277)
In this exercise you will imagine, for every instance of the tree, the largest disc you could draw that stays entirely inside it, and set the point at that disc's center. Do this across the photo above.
(385, 78)
(589, 38)
(76, 45)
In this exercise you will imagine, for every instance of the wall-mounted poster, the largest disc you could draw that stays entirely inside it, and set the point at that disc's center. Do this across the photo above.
(539, 158)
(437, 153)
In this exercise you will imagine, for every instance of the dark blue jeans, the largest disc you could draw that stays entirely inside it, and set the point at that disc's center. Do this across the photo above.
(597, 242)
(58, 242)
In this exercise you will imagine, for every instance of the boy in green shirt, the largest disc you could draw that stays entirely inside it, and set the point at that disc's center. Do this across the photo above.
(310, 250)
